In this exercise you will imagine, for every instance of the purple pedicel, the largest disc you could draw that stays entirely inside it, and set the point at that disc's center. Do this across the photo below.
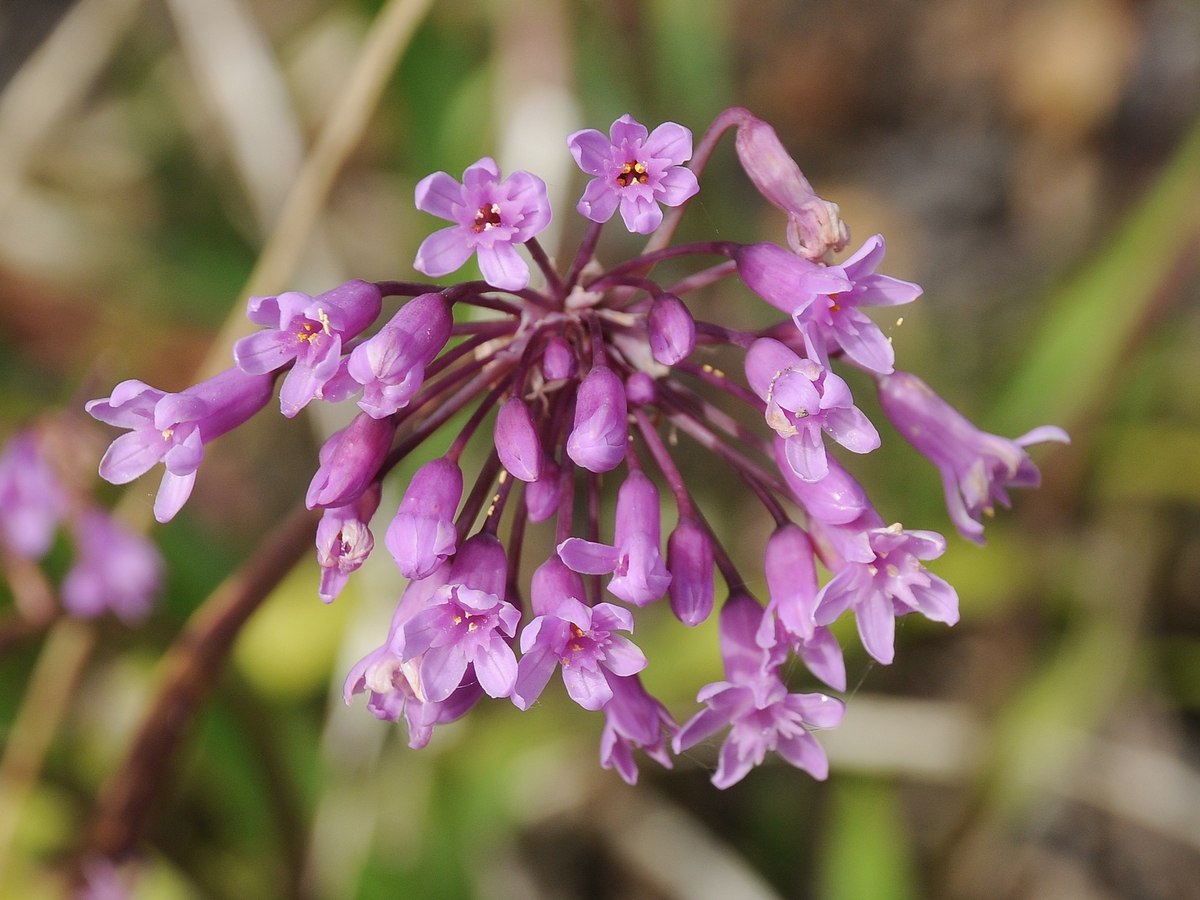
(634, 170)
(633, 719)
(391, 365)
(517, 442)
(566, 630)
(597, 442)
(893, 583)
(350, 461)
(690, 562)
(422, 535)
(757, 704)
(558, 360)
(490, 216)
(308, 332)
(344, 541)
(803, 398)
(32, 501)
(173, 429)
(828, 316)
(115, 570)
(977, 468)
(464, 624)
(671, 329)
(815, 228)
(639, 575)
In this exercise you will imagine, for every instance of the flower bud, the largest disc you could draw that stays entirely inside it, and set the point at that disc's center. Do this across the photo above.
(690, 562)
(422, 533)
(558, 362)
(350, 461)
(391, 365)
(640, 389)
(792, 580)
(517, 442)
(815, 226)
(598, 440)
(672, 330)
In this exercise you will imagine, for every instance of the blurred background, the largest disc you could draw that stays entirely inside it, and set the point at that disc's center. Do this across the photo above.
(1033, 164)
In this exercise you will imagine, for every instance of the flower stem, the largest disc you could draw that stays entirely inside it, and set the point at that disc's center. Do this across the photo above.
(553, 282)
(586, 250)
(722, 123)
(479, 493)
(643, 263)
(459, 444)
(703, 278)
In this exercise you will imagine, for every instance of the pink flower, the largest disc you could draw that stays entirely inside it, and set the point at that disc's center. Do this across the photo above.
(634, 170)
(490, 216)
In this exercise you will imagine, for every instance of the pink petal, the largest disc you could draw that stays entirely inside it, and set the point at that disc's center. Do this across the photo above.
(502, 267)
(440, 195)
(671, 142)
(443, 252)
(173, 492)
(591, 149)
(587, 557)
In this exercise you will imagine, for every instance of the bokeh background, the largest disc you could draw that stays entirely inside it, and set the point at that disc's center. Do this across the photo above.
(1032, 163)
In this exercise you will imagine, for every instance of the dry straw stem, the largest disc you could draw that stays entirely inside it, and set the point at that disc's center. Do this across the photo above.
(389, 35)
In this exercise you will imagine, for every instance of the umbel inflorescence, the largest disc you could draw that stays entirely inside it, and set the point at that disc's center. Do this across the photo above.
(585, 374)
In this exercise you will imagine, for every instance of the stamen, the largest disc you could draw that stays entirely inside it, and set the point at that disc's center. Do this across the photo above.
(487, 217)
(632, 172)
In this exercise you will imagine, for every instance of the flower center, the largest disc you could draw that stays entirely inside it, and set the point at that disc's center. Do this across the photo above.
(486, 217)
(310, 329)
(633, 171)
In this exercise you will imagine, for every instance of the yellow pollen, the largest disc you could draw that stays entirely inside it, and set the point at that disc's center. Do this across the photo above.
(458, 620)
(632, 172)
(168, 433)
(576, 647)
(874, 571)
(324, 319)
(486, 217)
(471, 626)
(892, 570)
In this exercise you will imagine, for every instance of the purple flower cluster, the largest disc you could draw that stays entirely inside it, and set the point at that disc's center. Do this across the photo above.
(584, 375)
(115, 569)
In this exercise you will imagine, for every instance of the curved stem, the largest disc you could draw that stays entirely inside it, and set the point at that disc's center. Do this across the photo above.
(704, 277)
(440, 417)
(719, 379)
(593, 530)
(459, 444)
(586, 250)
(643, 264)
(191, 668)
(407, 288)
(496, 510)
(553, 282)
(666, 465)
(722, 123)
(479, 493)
(741, 339)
